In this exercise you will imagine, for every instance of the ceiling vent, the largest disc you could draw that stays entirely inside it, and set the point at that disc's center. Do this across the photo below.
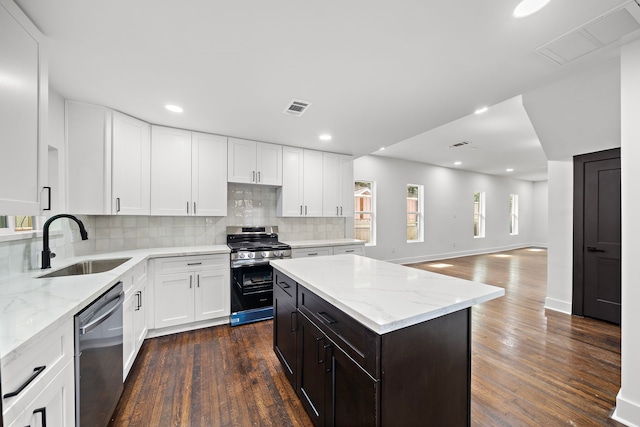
(297, 107)
(460, 144)
(613, 28)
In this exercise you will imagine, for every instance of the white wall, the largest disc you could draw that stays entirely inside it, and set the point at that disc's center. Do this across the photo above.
(560, 242)
(540, 232)
(448, 208)
(628, 401)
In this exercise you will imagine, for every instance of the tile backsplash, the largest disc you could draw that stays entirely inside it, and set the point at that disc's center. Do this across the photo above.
(246, 205)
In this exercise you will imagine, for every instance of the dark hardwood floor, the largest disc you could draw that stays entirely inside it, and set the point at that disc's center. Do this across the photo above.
(530, 366)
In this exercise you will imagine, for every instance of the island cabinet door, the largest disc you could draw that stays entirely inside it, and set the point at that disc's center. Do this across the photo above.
(314, 374)
(284, 332)
(354, 393)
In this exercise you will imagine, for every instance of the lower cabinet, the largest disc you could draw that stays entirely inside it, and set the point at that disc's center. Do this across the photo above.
(134, 322)
(285, 324)
(54, 406)
(190, 289)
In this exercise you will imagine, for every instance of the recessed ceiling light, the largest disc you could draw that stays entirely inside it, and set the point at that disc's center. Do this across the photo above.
(509, 170)
(481, 110)
(325, 137)
(174, 108)
(457, 163)
(382, 149)
(529, 7)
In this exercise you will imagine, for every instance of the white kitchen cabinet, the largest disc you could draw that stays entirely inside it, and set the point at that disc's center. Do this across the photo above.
(134, 314)
(337, 185)
(130, 168)
(108, 163)
(54, 406)
(191, 289)
(301, 191)
(252, 162)
(23, 114)
(188, 173)
(45, 365)
(357, 249)
(311, 252)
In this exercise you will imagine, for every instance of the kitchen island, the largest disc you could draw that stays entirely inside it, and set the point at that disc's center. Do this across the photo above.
(366, 342)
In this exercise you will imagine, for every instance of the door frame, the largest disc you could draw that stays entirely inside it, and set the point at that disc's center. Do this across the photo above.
(579, 162)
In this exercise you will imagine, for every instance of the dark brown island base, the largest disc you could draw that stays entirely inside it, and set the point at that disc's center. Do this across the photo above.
(408, 373)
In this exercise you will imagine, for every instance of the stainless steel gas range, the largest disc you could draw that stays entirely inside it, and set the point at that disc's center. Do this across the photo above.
(251, 275)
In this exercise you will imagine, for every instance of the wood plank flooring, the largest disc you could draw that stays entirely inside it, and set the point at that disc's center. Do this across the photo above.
(530, 366)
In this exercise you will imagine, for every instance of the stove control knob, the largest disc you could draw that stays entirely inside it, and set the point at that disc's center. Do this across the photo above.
(264, 254)
(241, 255)
(277, 253)
(251, 255)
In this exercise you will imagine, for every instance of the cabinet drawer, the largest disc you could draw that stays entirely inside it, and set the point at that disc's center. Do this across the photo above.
(358, 341)
(349, 249)
(311, 252)
(284, 288)
(52, 352)
(191, 263)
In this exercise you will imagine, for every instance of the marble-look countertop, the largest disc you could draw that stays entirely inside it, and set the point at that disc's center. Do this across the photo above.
(299, 244)
(383, 296)
(31, 307)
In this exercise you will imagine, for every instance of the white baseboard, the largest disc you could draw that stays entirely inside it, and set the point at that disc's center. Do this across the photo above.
(153, 333)
(627, 412)
(458, 254)
(557, 305)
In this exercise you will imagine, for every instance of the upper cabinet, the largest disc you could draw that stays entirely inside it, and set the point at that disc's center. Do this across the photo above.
(188, 173)
(107, 161)
(301, 191)
(252, 162)
(23, 114)
(337, 185)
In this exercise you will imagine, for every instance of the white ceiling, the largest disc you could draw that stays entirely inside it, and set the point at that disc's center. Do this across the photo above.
(376, 72)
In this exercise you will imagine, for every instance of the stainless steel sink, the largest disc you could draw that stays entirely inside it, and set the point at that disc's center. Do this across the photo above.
(87, 267)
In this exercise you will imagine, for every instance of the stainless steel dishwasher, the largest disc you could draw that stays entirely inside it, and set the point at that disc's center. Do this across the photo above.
(98, 358)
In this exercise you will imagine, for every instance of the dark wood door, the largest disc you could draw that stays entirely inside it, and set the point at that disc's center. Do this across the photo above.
(354, 393)
(601, 237)
(313, 375)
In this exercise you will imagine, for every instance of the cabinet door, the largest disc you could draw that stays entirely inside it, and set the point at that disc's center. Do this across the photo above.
(313, 378)
(212, 298)
(23, 114)
(312, 183)
(54, 406)
(131, 151)
(346, 186)
(290, 201)
(173, 304)
(209, 175)
(354, 399)
(269, 164)
(170, 171)
(331, 185)
(87, 137)
(128, 335)
(241, 166)
(284, 333)
(140, 308)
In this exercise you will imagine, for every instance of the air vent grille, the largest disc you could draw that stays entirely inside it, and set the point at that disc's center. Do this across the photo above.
(460, 144)
(296, 107)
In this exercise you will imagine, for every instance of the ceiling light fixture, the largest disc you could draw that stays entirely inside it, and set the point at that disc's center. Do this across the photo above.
(325, 137)
(382, 149)
(457, 163)
(529, 7)
(481, 110)
(509, 170)
(174, 108)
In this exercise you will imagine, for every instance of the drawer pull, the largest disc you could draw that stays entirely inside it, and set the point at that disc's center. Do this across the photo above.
(294, 321)
(284, 285)
(36, 371)
(194, 263)
(349, 251)
(313, 254)
(325, 318)
(328, 368)
(42, 411)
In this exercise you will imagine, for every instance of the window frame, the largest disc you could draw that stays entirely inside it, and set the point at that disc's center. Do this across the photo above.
(419, 213)
(514, 213)
(479, 212)
(371, 213)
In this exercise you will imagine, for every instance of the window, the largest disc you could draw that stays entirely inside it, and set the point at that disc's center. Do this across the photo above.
(13, 224)
(478, 214)
(414, 213)
(365, 212)
(513, 214)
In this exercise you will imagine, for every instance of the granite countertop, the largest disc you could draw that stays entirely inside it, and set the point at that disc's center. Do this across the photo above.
(298, 244)
(30, 307)
(383, 296)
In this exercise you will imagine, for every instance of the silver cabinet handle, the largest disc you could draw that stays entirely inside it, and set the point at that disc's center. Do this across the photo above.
(187, 208)
(190, 282)
(253, 176)
(198, 282)
(117, 204)
(349, 251)
(194, 208)
(340, 210)
(259, 179)
(86, 328)
(300, 210)
(313, 254)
